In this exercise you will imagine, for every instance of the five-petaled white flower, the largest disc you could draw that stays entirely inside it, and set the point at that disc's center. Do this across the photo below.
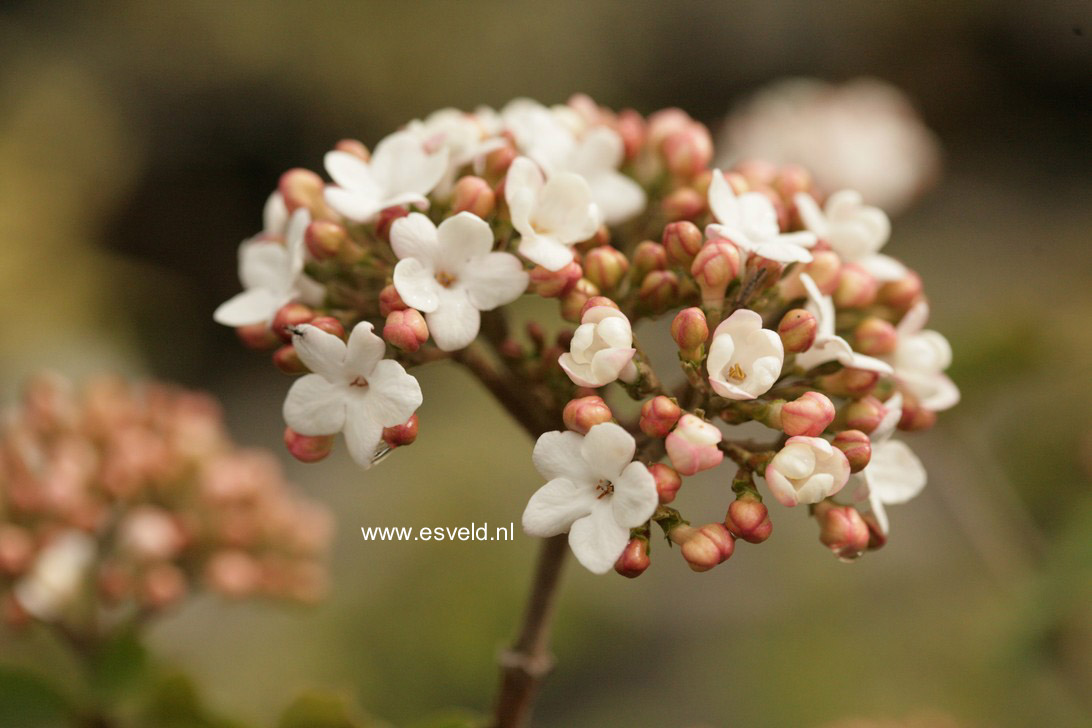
(352, 389)
(550, 216)
(828, 346)
(596, 492)
(920, 358)
(750, 221)
(271, 273)
(401, 172)
(894, 474)
(57, 576)
(806, 470)
(601, 350)
(854, 230)
(451, 274)
(744, 358)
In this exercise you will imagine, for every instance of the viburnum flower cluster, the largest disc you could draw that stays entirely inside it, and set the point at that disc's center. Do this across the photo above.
(782, 306)
(120, 500)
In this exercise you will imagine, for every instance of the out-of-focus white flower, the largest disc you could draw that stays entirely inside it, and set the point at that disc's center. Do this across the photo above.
(750, 221)
(744, 358)
(693, 445)
(271, 273)
(57, 576)
(460, 134)
(806, 470)
(601, 350)
(352, 389)
(596, 158)
(550, 215)
(595, 491)
(920, 358)
(855, 231)
(451, 274)
(828, 346)
(401, 172)
(150, 533)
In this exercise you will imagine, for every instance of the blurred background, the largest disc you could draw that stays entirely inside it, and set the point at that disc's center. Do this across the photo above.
(139, 140)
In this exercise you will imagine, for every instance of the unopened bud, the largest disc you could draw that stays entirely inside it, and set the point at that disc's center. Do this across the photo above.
(797, 330)
(389, 301)
(693, 445)
(647, 257)
(902, 294)
(842, 530)
(690, 330)
(555, 283)
(682, 240)
(875, 337)
(708, 546)
(16, 549)
(474, 195)
(386, 220)
(287, 360)
(584, 413)
(857, 288)
(289, 315)
(877, 538)
(498, 161)
(659, 290)
(688, 151)
(685, 203)
(303, 188)
(634, 559)
(851, 382)
(324, 239)
(307, 448)
(825, 269)
(749, 519)
(597, 301)
(632, 128)
(406, 329)
(857, 447)
(403, 434)
(808, 415)
(792, 179)
(914, 416)
(162, 585)
(605, 267)
(716, 265)
(330, 325)
(865, 414)
(667, 480)
(659, 415)
(572, 303)
(233, 573)
(355, 148)
(258, 337)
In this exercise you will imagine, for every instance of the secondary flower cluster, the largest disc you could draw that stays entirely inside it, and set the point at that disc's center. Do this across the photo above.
(784, 311)
(119, 500)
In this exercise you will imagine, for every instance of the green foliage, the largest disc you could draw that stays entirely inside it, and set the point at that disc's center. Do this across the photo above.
(28, 701)
(321, 710)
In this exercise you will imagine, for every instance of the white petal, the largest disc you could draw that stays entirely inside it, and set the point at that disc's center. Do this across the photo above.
(597, 540)
(393, 394)
(815, 488)
(314, 406)
(913, 320)
(558, 455)
(546, 250)
(274, 214)
(256, 306)
(363, 351)
(895, 474)
(355, 206)
(720, 354)
(522, 185)
(600, 150)
(722, 200)
(494, 280)
(861, 361)
(555, 506)
(607, 449)
(400, 165)
(607, 364)
(463, 239)
(321, 352)
(783, 252)
(565, 209)
(579, 372)
(294, 242)
(634, 499)
(758, 217)
(883, 267)
(265, 264)
(416, 284)
(780, 486)
(890, 420)
(414, 236)
(618, 197)
(363, 433)
(351, 173)
(810, 214)
(455, 322)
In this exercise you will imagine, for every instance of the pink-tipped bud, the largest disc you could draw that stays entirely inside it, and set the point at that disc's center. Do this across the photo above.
(386, 220)
(842, 530)
(303, 188)
(605, 267)
(685, 203)
(797, 330)
(857, 288)
(406, 329)
(324, 239)
(330, 325)
(857, 447)
(573, 302)
(875, 337)
(584, 413)
(792, 179)
(757, 171)
(634, 559)
(682, 240)
(825, 269)
(716, 265)
(808, 415)
(865, 414)
(287, 360)
(708, 546)
(498, 161)
(307, 448)
(648, 256)
(597, 301)
(659, 290)
(690, 330)
(664, 123)
(902, 294)
(749, 519)
(474, 195)
(692, 445)
(16, 549)
(403, 434)
(688, 151)
(632, 128)
(555, 283)
(851, 382)
(355, 148)
(288, 315)
(389, 301)
(877, 539)
(667, 480)
(915, 417)
(659, 416)
(258, 337)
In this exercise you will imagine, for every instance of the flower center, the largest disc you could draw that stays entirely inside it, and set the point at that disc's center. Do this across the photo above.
(359, 382)
(605, 488)
(445, 279)
(736, 372)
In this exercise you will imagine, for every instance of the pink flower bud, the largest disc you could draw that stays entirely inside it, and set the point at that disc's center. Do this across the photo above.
(498, 161)
(233, 573)
(708, 546)
(692, 445)
(634, 559)
(307, 448)
(690, 330)
(914, 416)
(797, 330)
(258, 337)
(901, 295)
(303, 188)
(355, 148)
(605, 267)
(406, 329)
(386, 219)
(875, 337)
(825, 269)
(592, 303)
(659, 290)
(668, 481)
(857, 288)
(474, 195)
(648, 256)
(664, 123)
(554, 284)
(688, 151)
(716, 265)
(877, 539)
(162, 586)
(403, 434)
(16, 549)
(757, 171)
(792, 179)
(580, 415)
(865, 414)
(857, 447)
(389, 301)
(325, 239)
(632, 128)
(749, 519)
(287, 360)
(290, 314)
(842, 530)
(682, 240)
(809, 414)
(330, 325)
(659, 415)
(685, 203)
(850, 382)
(573, 302)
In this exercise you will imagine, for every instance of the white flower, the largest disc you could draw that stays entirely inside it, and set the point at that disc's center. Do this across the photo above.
(855, 231)
(894, 474)
(58, 574)
(596, 158)
(920, 358)
(271, 273)
(595, 492)
(543, 134)
(750, 221)
(828, 346)
(450, 273)
(806, 470)
(400, 172)
(352, 389)
(550, 216)
(460, 134)
(601, 350)
(744, 358)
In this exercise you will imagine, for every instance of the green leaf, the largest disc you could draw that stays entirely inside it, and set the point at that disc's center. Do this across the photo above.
(321, 710)
(28, 701)
(119, 666)
(452, 718)
(174, 703)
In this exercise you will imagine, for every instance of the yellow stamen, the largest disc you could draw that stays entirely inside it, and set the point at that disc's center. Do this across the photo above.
(737, 373)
